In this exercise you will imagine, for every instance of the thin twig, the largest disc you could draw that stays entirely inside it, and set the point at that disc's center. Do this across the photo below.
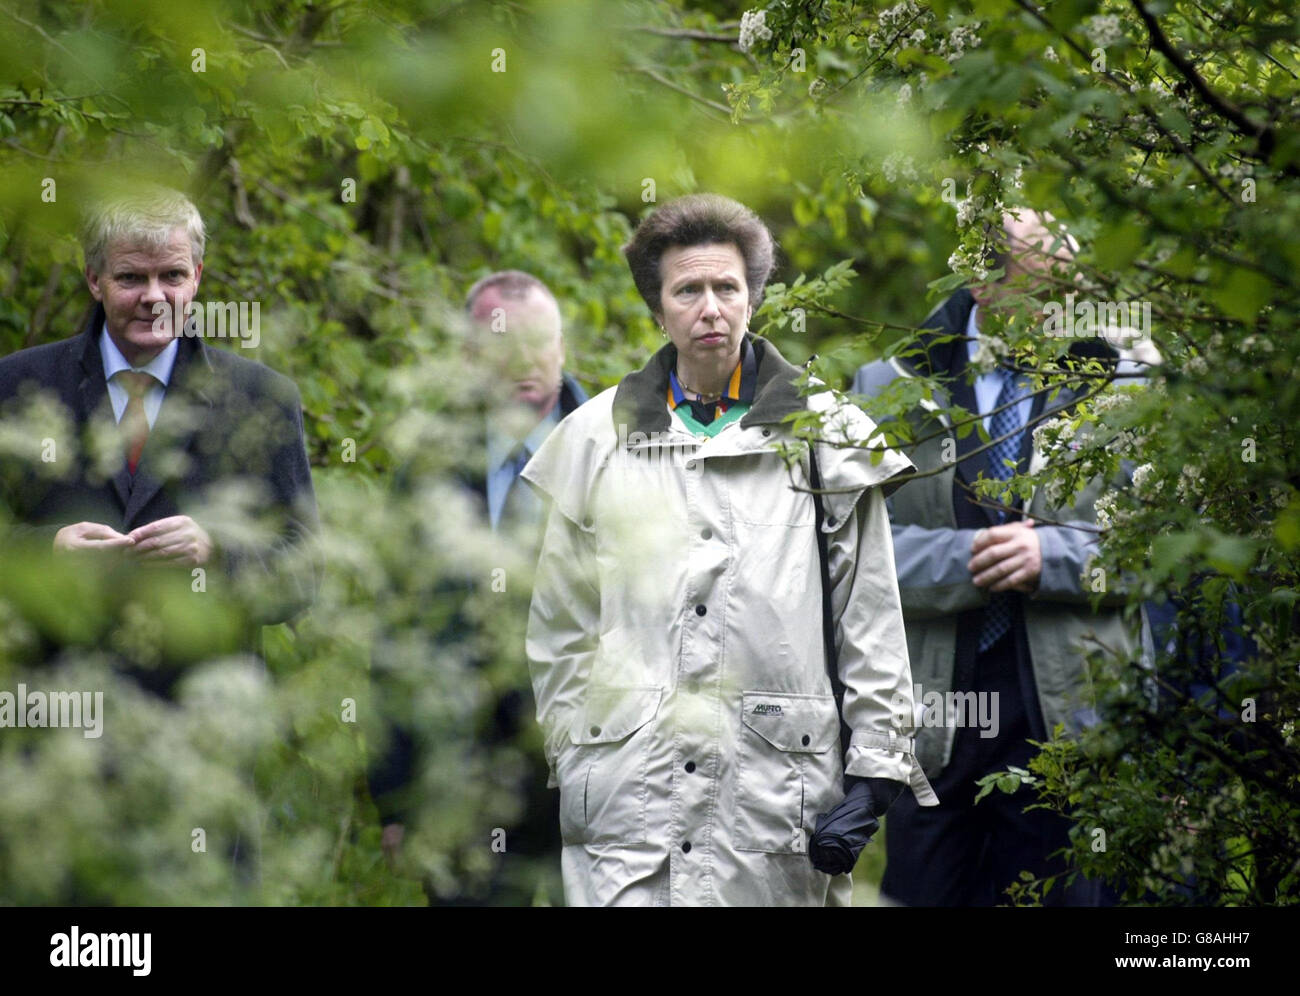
(713, 105)
(694, 34)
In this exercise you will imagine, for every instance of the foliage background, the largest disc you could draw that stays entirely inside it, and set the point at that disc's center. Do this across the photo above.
(1163, 133)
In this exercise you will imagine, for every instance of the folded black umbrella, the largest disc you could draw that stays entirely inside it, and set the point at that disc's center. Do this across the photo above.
(842, 833)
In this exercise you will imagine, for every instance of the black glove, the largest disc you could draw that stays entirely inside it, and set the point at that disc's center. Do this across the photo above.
(842, 833)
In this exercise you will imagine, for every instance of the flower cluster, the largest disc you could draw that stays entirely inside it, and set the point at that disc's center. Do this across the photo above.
(969, 263)
(988, 353)
(898, 164)
(1191, 485)
(1047, 437)
(1103, 30)
(1104, 508)
(753, 28)
(1236, 171)
(962, 37)
(968, 210)
(896, 16)
(1108, 402)
(1142, 479)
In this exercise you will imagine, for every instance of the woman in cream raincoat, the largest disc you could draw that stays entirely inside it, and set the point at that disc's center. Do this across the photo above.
(675, 638)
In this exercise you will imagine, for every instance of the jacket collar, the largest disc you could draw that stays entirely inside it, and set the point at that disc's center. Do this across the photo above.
(474, 476)
(571, 394)
(941, 351)
(935, 353)
(192, 369)
(639, 404)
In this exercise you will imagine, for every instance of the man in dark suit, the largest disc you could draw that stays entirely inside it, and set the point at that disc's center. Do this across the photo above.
(997, 605)
(155, 450)
(517, 392)
(519, 337)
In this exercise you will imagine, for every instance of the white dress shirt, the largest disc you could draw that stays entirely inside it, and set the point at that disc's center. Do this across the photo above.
(160, 367)
(989, 385)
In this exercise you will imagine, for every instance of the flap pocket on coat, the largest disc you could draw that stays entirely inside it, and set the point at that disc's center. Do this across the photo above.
(804, 723)
(612, 714)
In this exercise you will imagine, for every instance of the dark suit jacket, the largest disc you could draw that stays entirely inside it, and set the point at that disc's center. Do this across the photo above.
(391, 771)
(943, 354)
(229, 428)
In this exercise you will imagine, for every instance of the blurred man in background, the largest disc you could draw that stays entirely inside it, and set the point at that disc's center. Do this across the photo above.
(518, 393)
(519, 336)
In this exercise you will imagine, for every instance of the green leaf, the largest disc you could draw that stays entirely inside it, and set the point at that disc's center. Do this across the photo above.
(1116, 245)
(1243, 294)
(1169, 551)
(1287, 527)
(1232, 554)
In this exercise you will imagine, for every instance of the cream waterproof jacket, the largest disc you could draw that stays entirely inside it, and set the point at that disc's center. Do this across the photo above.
(675, 643)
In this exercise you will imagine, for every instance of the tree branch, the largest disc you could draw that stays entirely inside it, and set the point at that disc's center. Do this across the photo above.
(1262, 134)
(713, 105)
(694, 34)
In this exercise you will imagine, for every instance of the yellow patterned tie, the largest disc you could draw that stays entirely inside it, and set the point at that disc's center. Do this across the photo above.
(135, 423)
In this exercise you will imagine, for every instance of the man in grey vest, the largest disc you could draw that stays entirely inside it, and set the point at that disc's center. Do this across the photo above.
(996, 603)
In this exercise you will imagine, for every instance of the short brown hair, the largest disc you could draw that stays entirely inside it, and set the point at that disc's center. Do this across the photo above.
(700, 219)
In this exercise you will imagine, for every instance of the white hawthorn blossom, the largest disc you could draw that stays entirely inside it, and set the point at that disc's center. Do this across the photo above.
(898, 164)
(1103, 29)
(1104, 509)
(753, 28)
(898, 14)
(988, 351)
(968, 265)
(1191, 483)
(968, 210)
(962, 37)
(1142, 477)
(1236, 171)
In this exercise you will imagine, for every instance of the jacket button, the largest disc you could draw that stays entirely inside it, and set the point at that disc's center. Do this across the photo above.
(706, 534)
(767, 432)
(595, 731)
(700, 610)
(806, 740)
(690, 464)
(690, 766)
(830, 520)
(588, 522)
(686, 846)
